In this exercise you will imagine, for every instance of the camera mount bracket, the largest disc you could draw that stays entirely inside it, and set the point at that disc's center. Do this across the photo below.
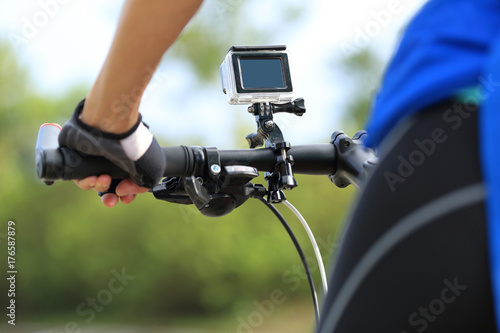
(269, 133)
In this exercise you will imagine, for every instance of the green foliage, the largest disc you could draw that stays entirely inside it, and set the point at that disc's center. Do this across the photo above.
(223, 23)
(363, 70)
(209, 35)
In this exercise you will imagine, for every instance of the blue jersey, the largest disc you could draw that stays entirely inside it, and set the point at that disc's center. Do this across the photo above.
(451, 46)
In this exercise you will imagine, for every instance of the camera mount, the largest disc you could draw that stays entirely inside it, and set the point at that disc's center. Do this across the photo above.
(269, 133)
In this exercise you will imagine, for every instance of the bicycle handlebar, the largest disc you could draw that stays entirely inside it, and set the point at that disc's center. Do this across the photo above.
(62, 163)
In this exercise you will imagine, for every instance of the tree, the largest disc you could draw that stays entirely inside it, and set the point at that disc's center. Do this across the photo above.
(363, 71)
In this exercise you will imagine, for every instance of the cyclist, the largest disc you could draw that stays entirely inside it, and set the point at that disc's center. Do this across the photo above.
(415, 253)
(415, 258)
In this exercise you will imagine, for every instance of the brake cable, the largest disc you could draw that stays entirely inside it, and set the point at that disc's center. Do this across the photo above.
(313, 243)
(301, 254)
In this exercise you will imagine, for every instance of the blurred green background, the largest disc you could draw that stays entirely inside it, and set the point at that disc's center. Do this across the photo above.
(180, 271)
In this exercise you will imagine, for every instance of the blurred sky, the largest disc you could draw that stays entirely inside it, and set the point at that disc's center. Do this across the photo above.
(64, 43)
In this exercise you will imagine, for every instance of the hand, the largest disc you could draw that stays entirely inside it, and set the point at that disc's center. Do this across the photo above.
(126, 191)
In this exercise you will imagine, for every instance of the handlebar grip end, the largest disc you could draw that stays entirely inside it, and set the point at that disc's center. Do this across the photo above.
(48, 160)
(49, 165)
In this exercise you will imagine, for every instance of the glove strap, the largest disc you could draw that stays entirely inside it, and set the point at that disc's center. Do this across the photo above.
(136, 144)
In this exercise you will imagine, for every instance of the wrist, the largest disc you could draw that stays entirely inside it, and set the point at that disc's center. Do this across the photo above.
(109, 121)
(77, 118)
(115, 116)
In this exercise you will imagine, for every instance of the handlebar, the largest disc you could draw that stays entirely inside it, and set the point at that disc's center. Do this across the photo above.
(62, 163)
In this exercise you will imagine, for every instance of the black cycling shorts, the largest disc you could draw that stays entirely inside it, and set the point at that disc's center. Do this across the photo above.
(414, 254)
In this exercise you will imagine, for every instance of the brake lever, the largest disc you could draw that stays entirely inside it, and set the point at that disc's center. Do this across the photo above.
(213, 205)
(230, 189)
(172, 190)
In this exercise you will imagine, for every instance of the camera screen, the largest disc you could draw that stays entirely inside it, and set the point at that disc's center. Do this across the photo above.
(261, 73)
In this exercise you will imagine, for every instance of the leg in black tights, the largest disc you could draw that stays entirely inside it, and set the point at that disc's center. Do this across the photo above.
(414, 254)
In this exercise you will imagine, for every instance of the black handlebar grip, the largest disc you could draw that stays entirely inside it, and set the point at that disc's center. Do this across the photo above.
(46, 143)
(66, 164)
(54, 162)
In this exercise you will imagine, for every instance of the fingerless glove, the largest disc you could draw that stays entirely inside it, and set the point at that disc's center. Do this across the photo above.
(137, 152)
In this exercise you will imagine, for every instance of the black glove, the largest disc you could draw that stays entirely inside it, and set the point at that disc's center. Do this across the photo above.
(136, 151)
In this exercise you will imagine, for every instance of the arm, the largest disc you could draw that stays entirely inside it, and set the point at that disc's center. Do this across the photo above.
(146, 29)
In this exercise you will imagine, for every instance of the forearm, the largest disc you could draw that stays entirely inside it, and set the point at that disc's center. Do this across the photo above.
(147, 28)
